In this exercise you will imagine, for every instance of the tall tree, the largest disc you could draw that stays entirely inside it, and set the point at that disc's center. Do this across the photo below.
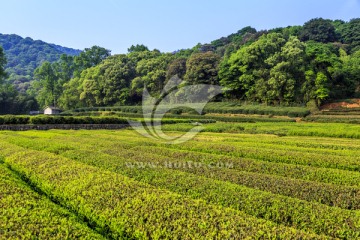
(322, 71)
(48, 85)
(2, 65)
(249, 65)
(319, 30)
(138, 48)
(90, 57)
(351, 33)
(351, 69)
(287, 72)
(152, 71)
(117, 79)
(202, 68)
(176, 67)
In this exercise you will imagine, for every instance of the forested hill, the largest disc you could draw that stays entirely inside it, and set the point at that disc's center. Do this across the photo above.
(296, 65)
(24, 55)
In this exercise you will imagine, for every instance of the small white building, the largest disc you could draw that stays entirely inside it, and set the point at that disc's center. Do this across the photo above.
(52, 111)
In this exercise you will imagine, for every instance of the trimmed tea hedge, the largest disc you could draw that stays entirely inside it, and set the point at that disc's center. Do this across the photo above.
(120, 207)
(24, 214)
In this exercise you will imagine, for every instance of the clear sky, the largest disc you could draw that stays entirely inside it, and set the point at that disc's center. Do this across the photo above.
(167, 25)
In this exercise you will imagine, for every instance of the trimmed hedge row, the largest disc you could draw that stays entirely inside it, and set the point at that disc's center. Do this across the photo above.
(340, 113)
(140, 166)
(261, 111)
(27, 215)
(128, 140)
(275, 155)
(45, 127)
(198, 117)
(232, 119)
(344, 110)
(11, 119)
(213, 108)
(254, 202)
(22, 120)
(333, 130)
(329, 119)
(332, 221)
(123, 208)
(42, 120)
(345, 197)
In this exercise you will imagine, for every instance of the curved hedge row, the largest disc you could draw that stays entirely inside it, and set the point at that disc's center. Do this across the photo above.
(27, 215)
(42, 120)
(19, 120)
(123, 208)
(214, 108)
(333, 221)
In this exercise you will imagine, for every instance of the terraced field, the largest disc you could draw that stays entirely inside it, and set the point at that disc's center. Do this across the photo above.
(300, 182)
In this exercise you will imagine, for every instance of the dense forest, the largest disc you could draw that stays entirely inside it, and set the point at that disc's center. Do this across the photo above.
(24, 55)
(296, 65)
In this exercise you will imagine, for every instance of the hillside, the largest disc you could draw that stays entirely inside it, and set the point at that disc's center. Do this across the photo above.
(24, 55)
(307, 65)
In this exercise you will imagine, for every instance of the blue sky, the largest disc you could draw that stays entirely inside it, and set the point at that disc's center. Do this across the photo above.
(165, 25)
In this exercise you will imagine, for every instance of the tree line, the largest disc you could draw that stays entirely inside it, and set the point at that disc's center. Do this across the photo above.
(316, 62)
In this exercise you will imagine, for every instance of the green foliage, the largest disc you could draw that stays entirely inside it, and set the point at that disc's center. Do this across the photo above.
(25, 55)
(13, 120)
(312, 194)
(152, 72)
(48, 84)
(317, 62)
(247, 72)
(138, 48)
(90, 57)
(3, 62)
(319, 30)
(195, 181)
(291, 72)
(176, 67)
(202, 68)
(212, 107)
(27, 214)
(120, 207)
(11, 101)
(350, 33)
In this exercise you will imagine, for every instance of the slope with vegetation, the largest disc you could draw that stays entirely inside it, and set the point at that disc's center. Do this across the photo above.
(293, 66)
(24, 55)
(218, 185)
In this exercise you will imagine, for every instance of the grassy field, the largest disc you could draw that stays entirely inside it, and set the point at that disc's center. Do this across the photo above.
(261, 180)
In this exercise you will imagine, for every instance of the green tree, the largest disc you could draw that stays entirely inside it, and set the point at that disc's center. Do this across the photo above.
(92, 91)
(90, 57)
(3, 62)
(48, 85)
(351, 69)
(153, 70)
(176, 67)
(202, 68)
(319, 30)
(287, 72)
(70, 97)
(106, 84)
(119, 72)
(138, 48)
(65, 68)
(323, 72)
(250, 64)
(351, 33)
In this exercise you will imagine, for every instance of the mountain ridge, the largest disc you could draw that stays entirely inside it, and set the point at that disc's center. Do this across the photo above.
(24, 55)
